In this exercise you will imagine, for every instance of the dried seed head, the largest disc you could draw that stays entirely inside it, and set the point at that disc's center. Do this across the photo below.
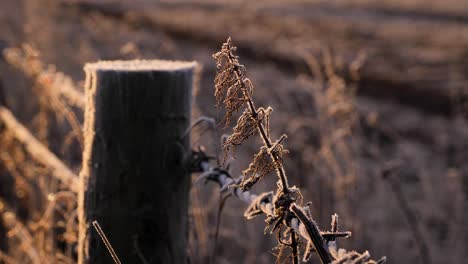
(231, 86)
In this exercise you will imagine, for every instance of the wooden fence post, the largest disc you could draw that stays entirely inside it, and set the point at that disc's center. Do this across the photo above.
(135, 182)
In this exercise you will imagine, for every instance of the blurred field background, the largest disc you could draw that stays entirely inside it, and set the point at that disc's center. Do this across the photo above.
(355, 84)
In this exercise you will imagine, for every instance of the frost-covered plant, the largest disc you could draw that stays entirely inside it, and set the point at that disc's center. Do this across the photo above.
(285, 215)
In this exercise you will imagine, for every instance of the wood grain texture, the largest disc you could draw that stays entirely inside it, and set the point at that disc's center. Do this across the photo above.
(135, 182)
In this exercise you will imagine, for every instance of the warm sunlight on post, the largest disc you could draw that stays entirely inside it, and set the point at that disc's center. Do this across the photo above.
(135, 182)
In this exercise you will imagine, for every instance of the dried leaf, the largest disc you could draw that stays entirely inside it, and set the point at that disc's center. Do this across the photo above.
(246, 126)
(262, 165)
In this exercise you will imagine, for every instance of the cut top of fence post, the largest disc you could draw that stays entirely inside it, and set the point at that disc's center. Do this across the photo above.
(134, 176)
(140, 65)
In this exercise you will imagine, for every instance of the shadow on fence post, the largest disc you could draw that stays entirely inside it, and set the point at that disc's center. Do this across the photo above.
(135, 182)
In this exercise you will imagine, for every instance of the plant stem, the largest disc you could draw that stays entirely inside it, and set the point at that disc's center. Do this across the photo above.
(294, 246)
(266, 140)
(314, 234)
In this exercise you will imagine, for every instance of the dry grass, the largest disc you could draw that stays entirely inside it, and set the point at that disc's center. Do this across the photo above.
(337, 165)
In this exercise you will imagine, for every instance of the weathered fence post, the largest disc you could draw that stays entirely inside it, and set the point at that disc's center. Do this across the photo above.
(135, 182)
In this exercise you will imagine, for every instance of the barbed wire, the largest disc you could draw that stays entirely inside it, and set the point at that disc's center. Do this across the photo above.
(322, 242)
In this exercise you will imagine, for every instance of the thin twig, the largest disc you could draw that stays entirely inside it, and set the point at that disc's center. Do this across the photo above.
(106, 242)
(222, 202)
(200, 120)
(27, 60)
(17, 228)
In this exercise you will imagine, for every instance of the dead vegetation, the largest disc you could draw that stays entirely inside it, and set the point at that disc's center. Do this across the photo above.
(337, 140)
(286, 216)
(38, 196)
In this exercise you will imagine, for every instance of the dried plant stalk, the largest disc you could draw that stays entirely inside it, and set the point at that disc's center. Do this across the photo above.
(27, 59)
(234, 90)
(39, 151)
